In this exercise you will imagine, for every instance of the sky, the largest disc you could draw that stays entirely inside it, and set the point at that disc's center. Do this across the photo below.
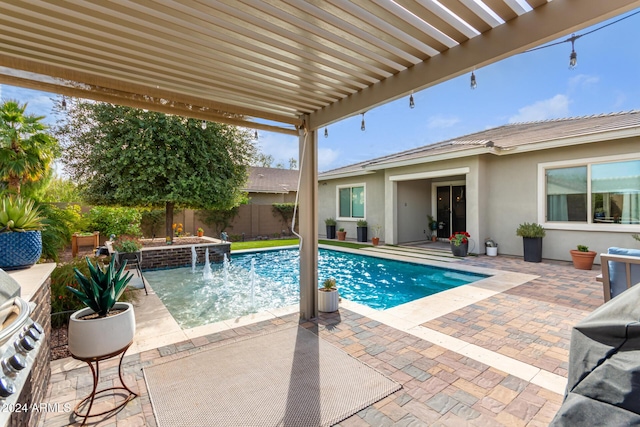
(531, 86)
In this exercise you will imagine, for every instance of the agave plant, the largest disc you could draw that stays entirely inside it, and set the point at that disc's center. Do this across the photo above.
(103, 288)
(19, 214)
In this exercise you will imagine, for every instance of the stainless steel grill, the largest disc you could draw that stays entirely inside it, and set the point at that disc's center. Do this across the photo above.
(20, 342)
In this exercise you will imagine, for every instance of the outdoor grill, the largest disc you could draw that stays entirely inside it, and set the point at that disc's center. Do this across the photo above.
(20, 342)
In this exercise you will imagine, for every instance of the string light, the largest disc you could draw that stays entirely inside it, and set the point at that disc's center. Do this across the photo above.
(573, 58)
(326, 133)
(204, 124)
(255, 135)
(474, 84)
(362, 126)
(412, 104)
(63, 103)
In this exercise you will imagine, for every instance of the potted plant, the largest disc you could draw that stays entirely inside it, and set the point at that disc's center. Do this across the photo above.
(342, 235)
(105, 326)
(491, 247)
(200, 232)
(328, 296)
(459, 243)
(376, 234)
(532, 235)
(362, 230)
(127, 248)
(582, 257)
(20, 233)
(433, 226)
(331, 228)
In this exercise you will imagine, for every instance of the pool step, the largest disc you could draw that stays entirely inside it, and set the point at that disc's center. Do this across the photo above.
(430, 254)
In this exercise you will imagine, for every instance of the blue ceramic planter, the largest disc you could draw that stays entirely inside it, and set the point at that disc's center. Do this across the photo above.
(20, 250)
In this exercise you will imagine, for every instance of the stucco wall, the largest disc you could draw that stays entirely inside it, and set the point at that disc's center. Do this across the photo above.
(511, 192)
(374, 208)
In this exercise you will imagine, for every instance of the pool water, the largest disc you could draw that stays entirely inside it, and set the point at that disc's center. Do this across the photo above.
(375, 282)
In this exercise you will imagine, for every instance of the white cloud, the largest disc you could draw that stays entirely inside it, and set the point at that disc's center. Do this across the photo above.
(583, 81)
(326, 157)
(555, 107)
(442, 122)
(281, 147)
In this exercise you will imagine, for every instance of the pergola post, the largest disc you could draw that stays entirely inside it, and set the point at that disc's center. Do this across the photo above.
(308, 217)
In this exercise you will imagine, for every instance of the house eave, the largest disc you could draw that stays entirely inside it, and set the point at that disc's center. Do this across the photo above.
(326, 177)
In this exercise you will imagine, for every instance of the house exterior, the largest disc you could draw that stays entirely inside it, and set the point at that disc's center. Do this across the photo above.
(578, 177)
(266, 186)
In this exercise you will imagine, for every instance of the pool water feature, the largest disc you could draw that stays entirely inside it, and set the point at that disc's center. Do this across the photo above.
(260, 281)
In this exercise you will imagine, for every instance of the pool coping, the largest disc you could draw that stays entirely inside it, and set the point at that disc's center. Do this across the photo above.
(156, 327)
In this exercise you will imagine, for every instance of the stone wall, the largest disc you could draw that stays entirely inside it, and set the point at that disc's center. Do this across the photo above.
(34, 391)
(180, 256)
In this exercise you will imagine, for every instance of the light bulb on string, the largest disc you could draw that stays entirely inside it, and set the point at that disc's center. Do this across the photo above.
(362, 126)
(64, 103)
(204, 124)
(412, 104)
(326, 133)
(474, 84)
(573, 57)
(255, 135)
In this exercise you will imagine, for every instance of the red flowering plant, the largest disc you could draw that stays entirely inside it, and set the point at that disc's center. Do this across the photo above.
(459, 237)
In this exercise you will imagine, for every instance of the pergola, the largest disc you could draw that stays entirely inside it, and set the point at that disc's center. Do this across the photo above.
(290, 66)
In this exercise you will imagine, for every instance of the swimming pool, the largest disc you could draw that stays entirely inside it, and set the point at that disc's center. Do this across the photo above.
(375, 282)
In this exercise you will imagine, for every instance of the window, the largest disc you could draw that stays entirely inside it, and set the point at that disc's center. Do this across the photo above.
(596, 193)
(351, 201)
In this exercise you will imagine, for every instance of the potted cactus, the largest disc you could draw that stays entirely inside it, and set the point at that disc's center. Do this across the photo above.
(20, 237)
(105, 326)
(342, 235)
(328, 296)
(582, 257)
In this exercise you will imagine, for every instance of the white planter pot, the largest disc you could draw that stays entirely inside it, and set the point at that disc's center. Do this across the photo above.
(492, 251)
(328, 301)
(99, 337)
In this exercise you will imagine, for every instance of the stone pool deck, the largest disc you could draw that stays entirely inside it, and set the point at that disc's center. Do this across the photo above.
(495, 355)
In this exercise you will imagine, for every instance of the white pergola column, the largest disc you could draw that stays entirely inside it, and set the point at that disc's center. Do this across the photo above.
(308, 216)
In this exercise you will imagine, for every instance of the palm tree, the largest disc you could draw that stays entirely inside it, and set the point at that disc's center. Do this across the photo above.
(26, 149)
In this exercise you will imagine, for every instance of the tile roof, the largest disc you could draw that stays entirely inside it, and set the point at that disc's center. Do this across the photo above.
(272, 180)
(504, 138)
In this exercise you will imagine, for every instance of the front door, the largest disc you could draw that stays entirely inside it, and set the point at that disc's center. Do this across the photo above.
(451, 210)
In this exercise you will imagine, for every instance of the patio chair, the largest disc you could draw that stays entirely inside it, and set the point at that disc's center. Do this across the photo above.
(620, 271)
(134, 260)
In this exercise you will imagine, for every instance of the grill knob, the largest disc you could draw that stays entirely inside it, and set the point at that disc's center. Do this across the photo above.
(7, 388)
(32, 333)
(14, 363)
(37, 327)
(25, 344)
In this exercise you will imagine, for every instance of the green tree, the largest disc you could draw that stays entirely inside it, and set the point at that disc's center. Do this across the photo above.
(131, 157)
(26, 148)
(263, 160)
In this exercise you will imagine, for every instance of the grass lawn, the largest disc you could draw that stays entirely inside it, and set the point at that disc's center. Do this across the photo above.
(258, 244)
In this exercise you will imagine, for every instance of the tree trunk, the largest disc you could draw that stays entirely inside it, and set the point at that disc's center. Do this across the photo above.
(169, 221)
(14, 184)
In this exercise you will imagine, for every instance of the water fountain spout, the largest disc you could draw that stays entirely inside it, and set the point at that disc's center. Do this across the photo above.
(194, 258)
(207, 274)
(253, 281)
(225, 269)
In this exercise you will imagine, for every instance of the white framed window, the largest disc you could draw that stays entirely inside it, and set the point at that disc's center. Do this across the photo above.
(351, 201)
(590, 194)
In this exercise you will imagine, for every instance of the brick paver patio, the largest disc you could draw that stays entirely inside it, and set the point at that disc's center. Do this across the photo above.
(530, 323)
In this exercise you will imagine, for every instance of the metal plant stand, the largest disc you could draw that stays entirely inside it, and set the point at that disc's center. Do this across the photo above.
(96, 378)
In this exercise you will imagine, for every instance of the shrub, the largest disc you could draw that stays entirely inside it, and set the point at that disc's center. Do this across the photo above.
(114, 220)
(330, 221)
(361, 223)
(127, 244)
(532, 230)
(59, 225)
